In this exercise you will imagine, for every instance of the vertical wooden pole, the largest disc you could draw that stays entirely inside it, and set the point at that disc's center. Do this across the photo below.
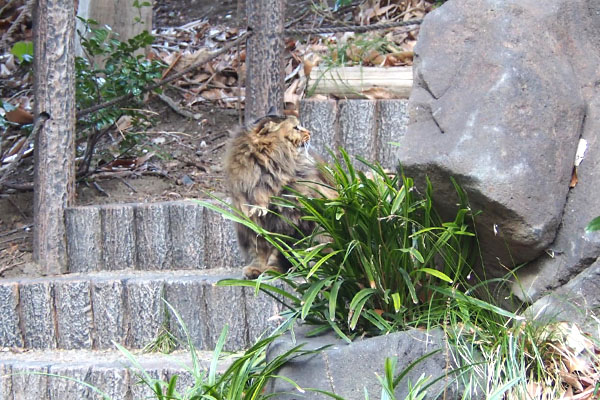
(54, 89)
(264, 58)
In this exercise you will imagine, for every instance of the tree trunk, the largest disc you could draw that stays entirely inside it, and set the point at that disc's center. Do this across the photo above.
(54, 89)
(264, 58)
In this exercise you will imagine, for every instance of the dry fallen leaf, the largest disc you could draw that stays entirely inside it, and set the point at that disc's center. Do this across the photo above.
(571, 380)
(574, 179)
(377, 93)
(19, 116)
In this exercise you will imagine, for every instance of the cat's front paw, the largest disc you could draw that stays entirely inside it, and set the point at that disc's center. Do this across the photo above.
(252, 272)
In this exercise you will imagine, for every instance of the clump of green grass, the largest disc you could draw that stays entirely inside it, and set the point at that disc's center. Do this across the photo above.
(380, 260)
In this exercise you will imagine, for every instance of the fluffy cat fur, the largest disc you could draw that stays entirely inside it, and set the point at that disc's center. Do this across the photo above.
(260, 162)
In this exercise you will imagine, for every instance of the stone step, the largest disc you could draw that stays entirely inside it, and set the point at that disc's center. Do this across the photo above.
(149, 236)
(90, 311)
(26, 375)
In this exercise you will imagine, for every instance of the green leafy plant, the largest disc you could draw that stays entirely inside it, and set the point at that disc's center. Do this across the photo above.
(357, 50)
(111, 68)
(594, 225)
(23, 51)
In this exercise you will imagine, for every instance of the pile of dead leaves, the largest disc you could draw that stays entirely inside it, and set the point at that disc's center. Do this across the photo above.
(222, 81)
(572, 363)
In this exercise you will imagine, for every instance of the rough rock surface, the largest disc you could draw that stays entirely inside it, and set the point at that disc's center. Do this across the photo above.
(504, 90)
(347, 370)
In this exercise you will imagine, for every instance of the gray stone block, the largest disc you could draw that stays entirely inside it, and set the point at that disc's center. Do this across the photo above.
(84, 239)
(185, 381)
(187, 298)
(30, 382)
(118, 236)
(73, 314)
(262, 314)
(144, 311)
(108, 302)
(112, 380)
(10, 333)
(37, 314)
(220, 245)
(153, 242)
(187, 235)
(320, 118)
(392, 121)
(493, 122)
(357, 128)
(6, 392)
(577, 301)
(348, 369)
(225, 306)
(70, 382)
(140, 390)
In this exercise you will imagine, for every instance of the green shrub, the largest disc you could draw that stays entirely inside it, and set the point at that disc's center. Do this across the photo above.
(110, 69)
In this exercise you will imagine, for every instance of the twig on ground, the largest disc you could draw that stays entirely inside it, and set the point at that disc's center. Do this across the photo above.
(16, 230)
(184, 113)
(12, 202)
(124, 182)
(99, 189)
(21, 187)
(11, 266)
(170, 67)
(123, 174)
(8, 3)
(21, 236)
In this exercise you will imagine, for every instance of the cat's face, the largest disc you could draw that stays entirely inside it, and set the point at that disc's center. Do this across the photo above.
(282, 129)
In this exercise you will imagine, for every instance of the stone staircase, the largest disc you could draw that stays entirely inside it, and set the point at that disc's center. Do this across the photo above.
(125, 258)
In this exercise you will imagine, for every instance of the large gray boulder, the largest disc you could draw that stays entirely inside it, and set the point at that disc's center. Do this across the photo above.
(348, 370)
(503, 92)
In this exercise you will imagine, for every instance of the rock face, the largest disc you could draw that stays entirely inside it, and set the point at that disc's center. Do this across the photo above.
(503, 93)
(348, 370)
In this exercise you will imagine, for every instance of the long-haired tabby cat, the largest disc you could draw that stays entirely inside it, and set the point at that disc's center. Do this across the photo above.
(261, 162)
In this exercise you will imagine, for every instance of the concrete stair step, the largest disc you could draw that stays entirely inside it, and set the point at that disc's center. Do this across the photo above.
(90, 311)
(149, 236)
(24, 375)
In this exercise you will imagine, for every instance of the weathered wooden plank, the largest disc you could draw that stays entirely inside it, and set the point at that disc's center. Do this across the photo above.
(357, 82)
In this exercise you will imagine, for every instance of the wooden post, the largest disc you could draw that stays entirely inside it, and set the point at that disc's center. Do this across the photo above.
(264, 58)
(54, 89)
